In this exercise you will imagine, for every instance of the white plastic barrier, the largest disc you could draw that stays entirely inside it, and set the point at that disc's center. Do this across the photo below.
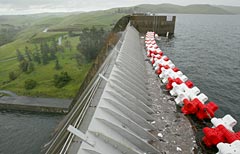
(155, 57)
(166, 73)
(164, 63)
(189, 93)
(202, 98)
(152, 46)
(178, 88)
(159, 61)
(227, 121)
(225, 148)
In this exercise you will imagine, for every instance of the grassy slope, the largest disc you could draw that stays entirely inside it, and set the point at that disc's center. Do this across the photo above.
(43, 74)
(97, 18)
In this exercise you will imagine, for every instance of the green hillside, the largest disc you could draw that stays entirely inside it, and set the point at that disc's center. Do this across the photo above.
(31, 35)
(105, 19)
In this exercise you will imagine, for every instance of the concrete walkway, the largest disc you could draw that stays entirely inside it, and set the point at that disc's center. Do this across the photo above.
(174, 129)
(52, 105)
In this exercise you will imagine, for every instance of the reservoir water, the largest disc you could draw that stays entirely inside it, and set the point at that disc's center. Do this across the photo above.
(24, 132)
(206, 48)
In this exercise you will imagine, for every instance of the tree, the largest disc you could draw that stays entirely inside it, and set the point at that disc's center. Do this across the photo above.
(12, 76)
(30, 67)
(54, 45)
(52, 55)
(23, 66)
(61, 80)
(36, 57)
(26, 66)
(53, 49)
(20, 57)
(44, 48)
(68, 45)
(30, 84)
(91, 42)
(80, 59)
(28, 53)
(57, 65)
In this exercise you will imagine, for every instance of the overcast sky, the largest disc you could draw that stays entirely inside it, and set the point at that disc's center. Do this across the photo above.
(37, 6)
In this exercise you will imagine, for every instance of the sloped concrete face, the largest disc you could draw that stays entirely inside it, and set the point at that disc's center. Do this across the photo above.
(122, 120)
(132, 109)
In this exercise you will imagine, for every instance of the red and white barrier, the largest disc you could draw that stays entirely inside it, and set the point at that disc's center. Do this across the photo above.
(193, 102)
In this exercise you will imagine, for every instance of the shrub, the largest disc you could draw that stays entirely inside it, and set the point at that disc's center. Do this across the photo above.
(30, 84)
(12, 76)
(61, 80)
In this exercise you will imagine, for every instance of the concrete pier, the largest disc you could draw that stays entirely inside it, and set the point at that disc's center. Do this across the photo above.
(159, 24)
(23, 103)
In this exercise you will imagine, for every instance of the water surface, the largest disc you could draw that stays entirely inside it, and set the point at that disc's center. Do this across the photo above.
(25, 132)
(207, 49)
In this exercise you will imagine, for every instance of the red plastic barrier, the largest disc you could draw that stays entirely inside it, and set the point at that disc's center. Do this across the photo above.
(202, 111)
(166, 59)
(170, 82)
(213, 136)
(190, 107)
(206, 110)
(175, 69)
(189, 84)
(178, 81)
(159, 71)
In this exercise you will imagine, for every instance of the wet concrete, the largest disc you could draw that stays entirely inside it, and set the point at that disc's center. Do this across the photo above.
(174, 130)
(23, 103)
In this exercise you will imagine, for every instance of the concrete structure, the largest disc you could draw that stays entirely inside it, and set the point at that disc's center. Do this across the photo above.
(159, 24)
(121, 107)
(127, 112)
(23, 103)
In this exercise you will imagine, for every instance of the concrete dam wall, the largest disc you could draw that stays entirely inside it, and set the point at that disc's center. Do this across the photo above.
(118, 73)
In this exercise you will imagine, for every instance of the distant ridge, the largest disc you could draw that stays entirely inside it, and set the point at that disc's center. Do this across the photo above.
(232, 9)
(155, 8)
(190, 9)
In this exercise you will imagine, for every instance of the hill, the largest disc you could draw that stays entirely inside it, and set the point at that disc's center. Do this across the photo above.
(190, 9)
(60, 25)
(232, 9)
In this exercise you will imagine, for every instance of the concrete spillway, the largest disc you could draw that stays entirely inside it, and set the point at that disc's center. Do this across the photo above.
(129, 110)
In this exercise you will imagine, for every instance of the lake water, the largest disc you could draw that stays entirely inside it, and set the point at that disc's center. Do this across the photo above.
(206, 48)
(24, 132)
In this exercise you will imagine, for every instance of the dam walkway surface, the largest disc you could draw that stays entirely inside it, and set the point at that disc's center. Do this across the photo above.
(129, 112)
(35, 104)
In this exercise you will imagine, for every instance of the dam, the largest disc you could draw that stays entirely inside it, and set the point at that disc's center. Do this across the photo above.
(122, 110)
(125, 109)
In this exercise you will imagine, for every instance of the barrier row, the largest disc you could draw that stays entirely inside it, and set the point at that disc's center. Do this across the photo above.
(193, 101)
